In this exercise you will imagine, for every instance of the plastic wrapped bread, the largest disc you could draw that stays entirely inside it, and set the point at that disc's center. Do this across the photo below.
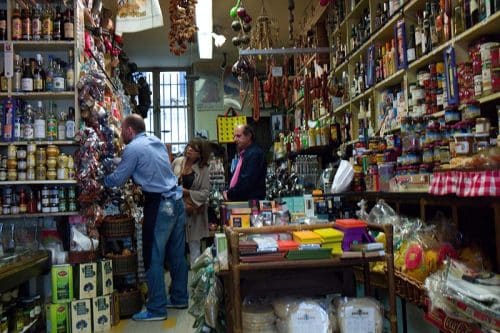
(360, 315)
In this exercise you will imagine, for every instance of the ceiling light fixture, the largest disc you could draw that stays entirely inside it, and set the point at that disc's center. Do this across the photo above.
(204, 22)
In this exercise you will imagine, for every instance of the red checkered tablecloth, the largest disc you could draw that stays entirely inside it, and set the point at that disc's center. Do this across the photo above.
(466, 183)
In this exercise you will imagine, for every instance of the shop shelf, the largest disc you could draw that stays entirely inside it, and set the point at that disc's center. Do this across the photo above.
(435, 54)
(27, 216)
(340, 68)
(489, 98)
(38, 182)
(488, 26)
(32, 45)
(357, 10)
(342, 107)
(56, 142)
(361, 96)
(391, 80)
(45, 94)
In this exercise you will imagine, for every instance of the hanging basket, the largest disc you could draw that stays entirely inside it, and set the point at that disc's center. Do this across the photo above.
(118, 226)
(124, 264)
(79, 257)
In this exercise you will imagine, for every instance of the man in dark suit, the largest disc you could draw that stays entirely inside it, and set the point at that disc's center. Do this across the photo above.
(249, 177)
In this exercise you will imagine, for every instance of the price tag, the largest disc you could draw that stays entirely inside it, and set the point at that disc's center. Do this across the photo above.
(8, 59)
(277, 71)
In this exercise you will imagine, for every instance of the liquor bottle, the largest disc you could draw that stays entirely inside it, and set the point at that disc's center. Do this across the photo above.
(49, 75)
(426, 38)
(353, 38)
(70, 72)
(433, 26)
(383, 64)
(446, 20)
(18, 117)
(410, 48)
(36, 23)
(39, 74)
(17, 26)
(61, 125)
(27, 78)
(28, 123)
(385, 10)
(52, 122)
(474, 12)
(335, 131)
(361, 77)
(70, 123)
(57, 24)
(458, 18)
(378, 15)
(39, 131)
(18, 74)
(59, 77)
(68, 25)
(47, 24)
(3, 81)
(418, 37)
(25, 24)
(440, 22)
(3, 24)
(394, 62)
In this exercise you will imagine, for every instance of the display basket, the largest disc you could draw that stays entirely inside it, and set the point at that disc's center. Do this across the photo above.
(124, 264)
(78, 257)
(130, 302)
(118, 226)
(409, 288)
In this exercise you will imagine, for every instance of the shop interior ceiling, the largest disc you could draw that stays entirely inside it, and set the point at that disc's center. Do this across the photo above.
(149, 48)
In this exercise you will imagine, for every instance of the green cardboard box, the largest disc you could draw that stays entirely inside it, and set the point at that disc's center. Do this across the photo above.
(104, 277)
(57, 319)
(81, 316)
(62, 283)
(85, 280)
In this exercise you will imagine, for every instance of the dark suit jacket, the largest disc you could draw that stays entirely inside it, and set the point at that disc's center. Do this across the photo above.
(252, 179)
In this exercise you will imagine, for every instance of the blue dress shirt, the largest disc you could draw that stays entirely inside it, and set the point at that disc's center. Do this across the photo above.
(145, 159)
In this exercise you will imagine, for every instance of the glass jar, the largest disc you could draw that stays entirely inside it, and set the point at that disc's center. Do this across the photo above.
(21, 153)
(41, 156)
(41, 172)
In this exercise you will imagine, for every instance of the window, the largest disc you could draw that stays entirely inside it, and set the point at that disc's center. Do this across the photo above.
(168, 115)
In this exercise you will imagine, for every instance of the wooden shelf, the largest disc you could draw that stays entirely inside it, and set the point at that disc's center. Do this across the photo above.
(342, 67)
(24, 267)
(358, 9)
(488, 26)
(27, 216)
(42, 46)
(55, 142)
(362, 95)
(391, 80)
(38, 182)
(340, 108)
(489, 98)
(45, 94)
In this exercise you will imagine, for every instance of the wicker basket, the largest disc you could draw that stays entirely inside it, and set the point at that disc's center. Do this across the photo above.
(130, 302)
(124, 264)
(409, 288)
(78, 257)
(118, 226)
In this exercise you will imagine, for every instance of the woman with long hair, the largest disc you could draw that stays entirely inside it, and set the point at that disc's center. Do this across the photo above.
(192, 171)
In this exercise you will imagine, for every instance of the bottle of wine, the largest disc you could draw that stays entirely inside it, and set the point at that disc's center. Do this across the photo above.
(410, 48)
(17, 25)
(27, 78)
(39, 130)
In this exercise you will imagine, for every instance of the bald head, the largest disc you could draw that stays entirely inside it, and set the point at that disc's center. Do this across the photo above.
(243, 136)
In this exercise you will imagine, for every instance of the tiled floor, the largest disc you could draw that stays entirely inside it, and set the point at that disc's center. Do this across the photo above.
(179, 321)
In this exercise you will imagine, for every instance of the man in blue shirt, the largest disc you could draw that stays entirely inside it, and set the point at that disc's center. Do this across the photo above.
(145, 159)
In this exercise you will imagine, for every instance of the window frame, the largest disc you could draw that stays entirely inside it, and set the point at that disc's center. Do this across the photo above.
(155, 101)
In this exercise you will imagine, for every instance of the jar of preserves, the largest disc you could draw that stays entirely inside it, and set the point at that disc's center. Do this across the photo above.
(52, 151)
(41, 156)
(41, 172)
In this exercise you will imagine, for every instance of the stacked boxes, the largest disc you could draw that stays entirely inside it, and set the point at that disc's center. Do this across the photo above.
(81, 297)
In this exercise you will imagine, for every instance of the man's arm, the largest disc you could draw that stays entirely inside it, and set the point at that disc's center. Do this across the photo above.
(124, 170)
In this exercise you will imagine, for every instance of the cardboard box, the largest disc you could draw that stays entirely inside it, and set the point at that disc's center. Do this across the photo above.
(101, 313)
(85, 280)
(240, 221)
(81, 316)
(57, 319)
(220, 241)
(62, 283)
(104, 277)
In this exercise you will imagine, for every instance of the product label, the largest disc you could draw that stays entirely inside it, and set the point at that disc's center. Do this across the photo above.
(410, 54)
(36, 27)
(462, 147)
(16, 28)
(51, 129)
(27, 84)
(39, 129)
(58, 83)
(68, 30)
(70, 129)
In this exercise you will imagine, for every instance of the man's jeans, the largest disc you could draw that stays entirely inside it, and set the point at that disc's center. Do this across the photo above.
(169, 240)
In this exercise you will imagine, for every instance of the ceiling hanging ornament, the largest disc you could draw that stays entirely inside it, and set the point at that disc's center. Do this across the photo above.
(265, 33)
(182, 25)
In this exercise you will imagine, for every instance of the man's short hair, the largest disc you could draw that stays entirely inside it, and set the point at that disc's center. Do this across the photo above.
(135, 122)
(249, 131)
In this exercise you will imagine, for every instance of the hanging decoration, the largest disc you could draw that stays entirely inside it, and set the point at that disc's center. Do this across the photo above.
(265, 33)
(182, 25)
(241, 25)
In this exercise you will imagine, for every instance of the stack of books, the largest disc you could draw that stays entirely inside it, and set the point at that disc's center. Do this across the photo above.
(309, 246)
(331, 239)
